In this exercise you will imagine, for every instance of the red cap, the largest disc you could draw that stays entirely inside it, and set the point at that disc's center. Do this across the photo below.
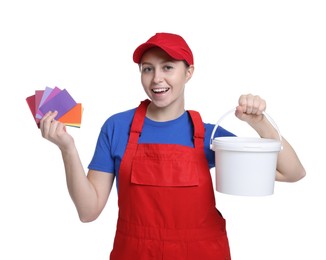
(172, 44)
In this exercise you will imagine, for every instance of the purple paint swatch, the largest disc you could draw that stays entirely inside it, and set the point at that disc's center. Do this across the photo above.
(62, 102)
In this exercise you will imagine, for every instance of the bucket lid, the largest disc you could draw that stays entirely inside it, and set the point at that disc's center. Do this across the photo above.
(248, 144)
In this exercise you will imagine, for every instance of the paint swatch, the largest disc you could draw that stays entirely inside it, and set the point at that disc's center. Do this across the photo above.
(55, 99)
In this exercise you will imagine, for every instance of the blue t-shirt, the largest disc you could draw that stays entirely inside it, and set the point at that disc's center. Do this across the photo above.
(114, 134)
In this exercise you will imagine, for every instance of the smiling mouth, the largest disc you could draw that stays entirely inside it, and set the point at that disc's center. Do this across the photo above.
(160, 90)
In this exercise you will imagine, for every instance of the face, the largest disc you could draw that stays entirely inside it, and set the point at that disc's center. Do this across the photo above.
(164, 79)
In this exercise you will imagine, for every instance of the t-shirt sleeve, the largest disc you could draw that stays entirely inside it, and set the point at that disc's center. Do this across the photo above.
(102, 159)
(220, 131)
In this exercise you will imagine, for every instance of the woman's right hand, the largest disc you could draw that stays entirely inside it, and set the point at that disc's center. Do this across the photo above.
(55, 131)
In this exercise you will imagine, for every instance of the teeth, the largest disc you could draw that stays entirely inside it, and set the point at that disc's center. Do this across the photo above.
(160, 90)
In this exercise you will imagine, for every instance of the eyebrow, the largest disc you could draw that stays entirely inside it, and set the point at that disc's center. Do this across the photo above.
(165, 61)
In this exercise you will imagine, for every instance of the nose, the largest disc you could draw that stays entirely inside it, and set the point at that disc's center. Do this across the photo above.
(158, 76)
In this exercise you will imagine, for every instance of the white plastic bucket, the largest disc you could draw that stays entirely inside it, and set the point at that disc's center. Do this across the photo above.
(245, 166)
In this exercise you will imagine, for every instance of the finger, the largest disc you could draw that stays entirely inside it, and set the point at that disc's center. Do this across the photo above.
(45, 123)
(246, 102)
(243, 101)
(45, 116)
(255, 105)
(262, 106)
(259, 105)
(53, 128)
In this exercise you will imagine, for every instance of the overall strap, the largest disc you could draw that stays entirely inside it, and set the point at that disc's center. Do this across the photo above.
(138, 121)
(199, 129)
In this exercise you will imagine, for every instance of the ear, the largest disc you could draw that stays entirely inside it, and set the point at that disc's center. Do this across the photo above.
(189, 71)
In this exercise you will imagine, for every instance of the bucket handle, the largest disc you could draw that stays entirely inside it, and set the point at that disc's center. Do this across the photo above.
(232, 110)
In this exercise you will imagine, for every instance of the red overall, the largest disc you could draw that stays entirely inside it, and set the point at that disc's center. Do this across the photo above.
(166, 201)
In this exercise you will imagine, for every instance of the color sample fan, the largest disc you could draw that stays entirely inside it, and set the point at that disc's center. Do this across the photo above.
(51, 99)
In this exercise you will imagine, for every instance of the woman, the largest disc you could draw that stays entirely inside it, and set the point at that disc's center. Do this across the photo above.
(161, 158)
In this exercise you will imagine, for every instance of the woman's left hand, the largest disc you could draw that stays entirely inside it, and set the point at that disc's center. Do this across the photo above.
(250, 108)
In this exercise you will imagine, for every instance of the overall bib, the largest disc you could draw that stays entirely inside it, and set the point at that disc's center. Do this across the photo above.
(166, 201)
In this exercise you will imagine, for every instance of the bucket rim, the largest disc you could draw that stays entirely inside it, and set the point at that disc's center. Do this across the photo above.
(246, 144)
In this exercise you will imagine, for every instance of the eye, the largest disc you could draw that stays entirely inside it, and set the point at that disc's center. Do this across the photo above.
(147, 69)
(167, 67)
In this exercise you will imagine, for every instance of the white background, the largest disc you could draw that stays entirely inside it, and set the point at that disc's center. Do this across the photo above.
(272, 48)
